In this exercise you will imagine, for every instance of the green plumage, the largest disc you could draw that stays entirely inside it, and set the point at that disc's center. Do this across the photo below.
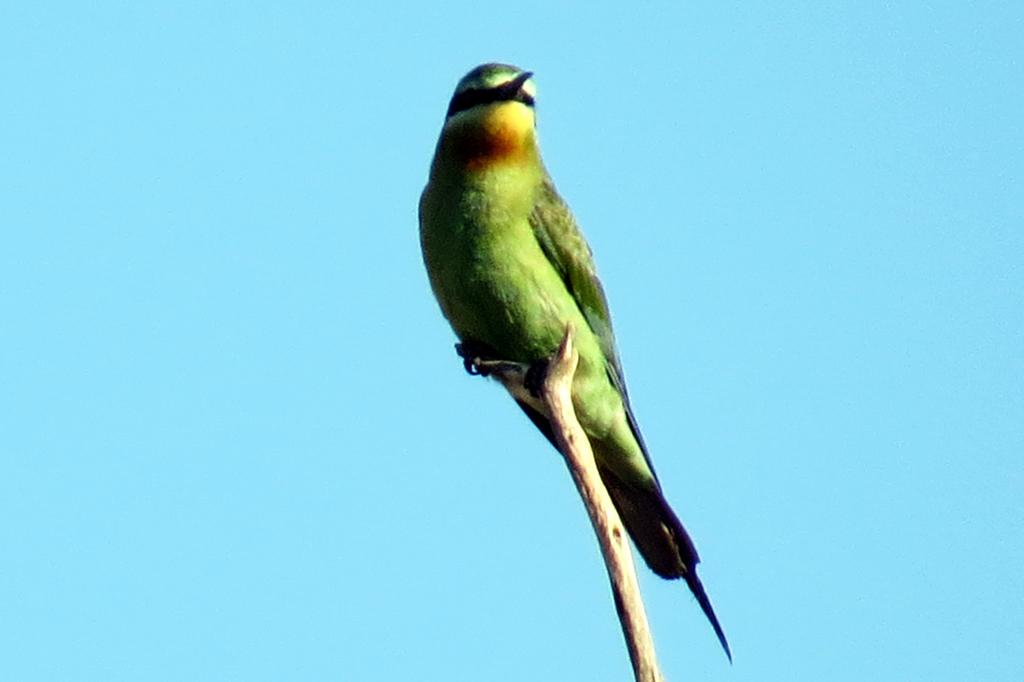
(510, 268)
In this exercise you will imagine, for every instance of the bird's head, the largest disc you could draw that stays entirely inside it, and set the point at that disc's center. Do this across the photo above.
(490, 117)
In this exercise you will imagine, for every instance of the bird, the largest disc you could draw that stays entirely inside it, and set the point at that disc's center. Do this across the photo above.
(511, 270)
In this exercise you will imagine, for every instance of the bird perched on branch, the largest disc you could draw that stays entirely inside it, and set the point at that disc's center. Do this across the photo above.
(511, 270)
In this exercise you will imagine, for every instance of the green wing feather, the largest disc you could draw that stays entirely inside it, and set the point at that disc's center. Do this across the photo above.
(567, 250)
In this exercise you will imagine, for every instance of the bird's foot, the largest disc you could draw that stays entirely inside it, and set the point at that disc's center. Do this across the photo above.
(478, 361)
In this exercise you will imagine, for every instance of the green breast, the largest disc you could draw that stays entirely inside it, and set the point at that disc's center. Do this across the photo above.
(493, 281)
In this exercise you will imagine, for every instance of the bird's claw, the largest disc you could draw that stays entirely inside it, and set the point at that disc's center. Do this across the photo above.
(472, 361)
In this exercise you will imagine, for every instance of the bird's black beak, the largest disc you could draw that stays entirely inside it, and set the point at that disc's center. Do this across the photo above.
(513, 90)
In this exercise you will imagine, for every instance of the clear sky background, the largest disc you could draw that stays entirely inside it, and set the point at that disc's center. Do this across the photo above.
(236, 443)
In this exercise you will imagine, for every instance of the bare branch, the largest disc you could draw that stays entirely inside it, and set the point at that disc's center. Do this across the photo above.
(556, 393)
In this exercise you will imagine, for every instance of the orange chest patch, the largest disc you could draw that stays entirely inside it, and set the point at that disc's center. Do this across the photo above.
(502, 135)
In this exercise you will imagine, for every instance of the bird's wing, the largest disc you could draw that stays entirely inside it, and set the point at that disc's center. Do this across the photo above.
(563, 244)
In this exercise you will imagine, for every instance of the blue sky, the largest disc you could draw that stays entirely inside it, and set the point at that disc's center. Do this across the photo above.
(235, 442)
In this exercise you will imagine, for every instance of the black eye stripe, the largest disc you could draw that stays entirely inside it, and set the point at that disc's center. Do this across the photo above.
(467, 99)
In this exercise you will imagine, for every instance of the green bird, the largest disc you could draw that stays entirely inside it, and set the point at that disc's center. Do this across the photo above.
(510, 270)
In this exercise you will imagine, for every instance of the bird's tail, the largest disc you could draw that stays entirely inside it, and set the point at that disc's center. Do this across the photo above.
(663, 542)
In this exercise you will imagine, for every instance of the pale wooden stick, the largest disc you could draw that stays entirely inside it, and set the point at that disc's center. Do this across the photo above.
(572, 441)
